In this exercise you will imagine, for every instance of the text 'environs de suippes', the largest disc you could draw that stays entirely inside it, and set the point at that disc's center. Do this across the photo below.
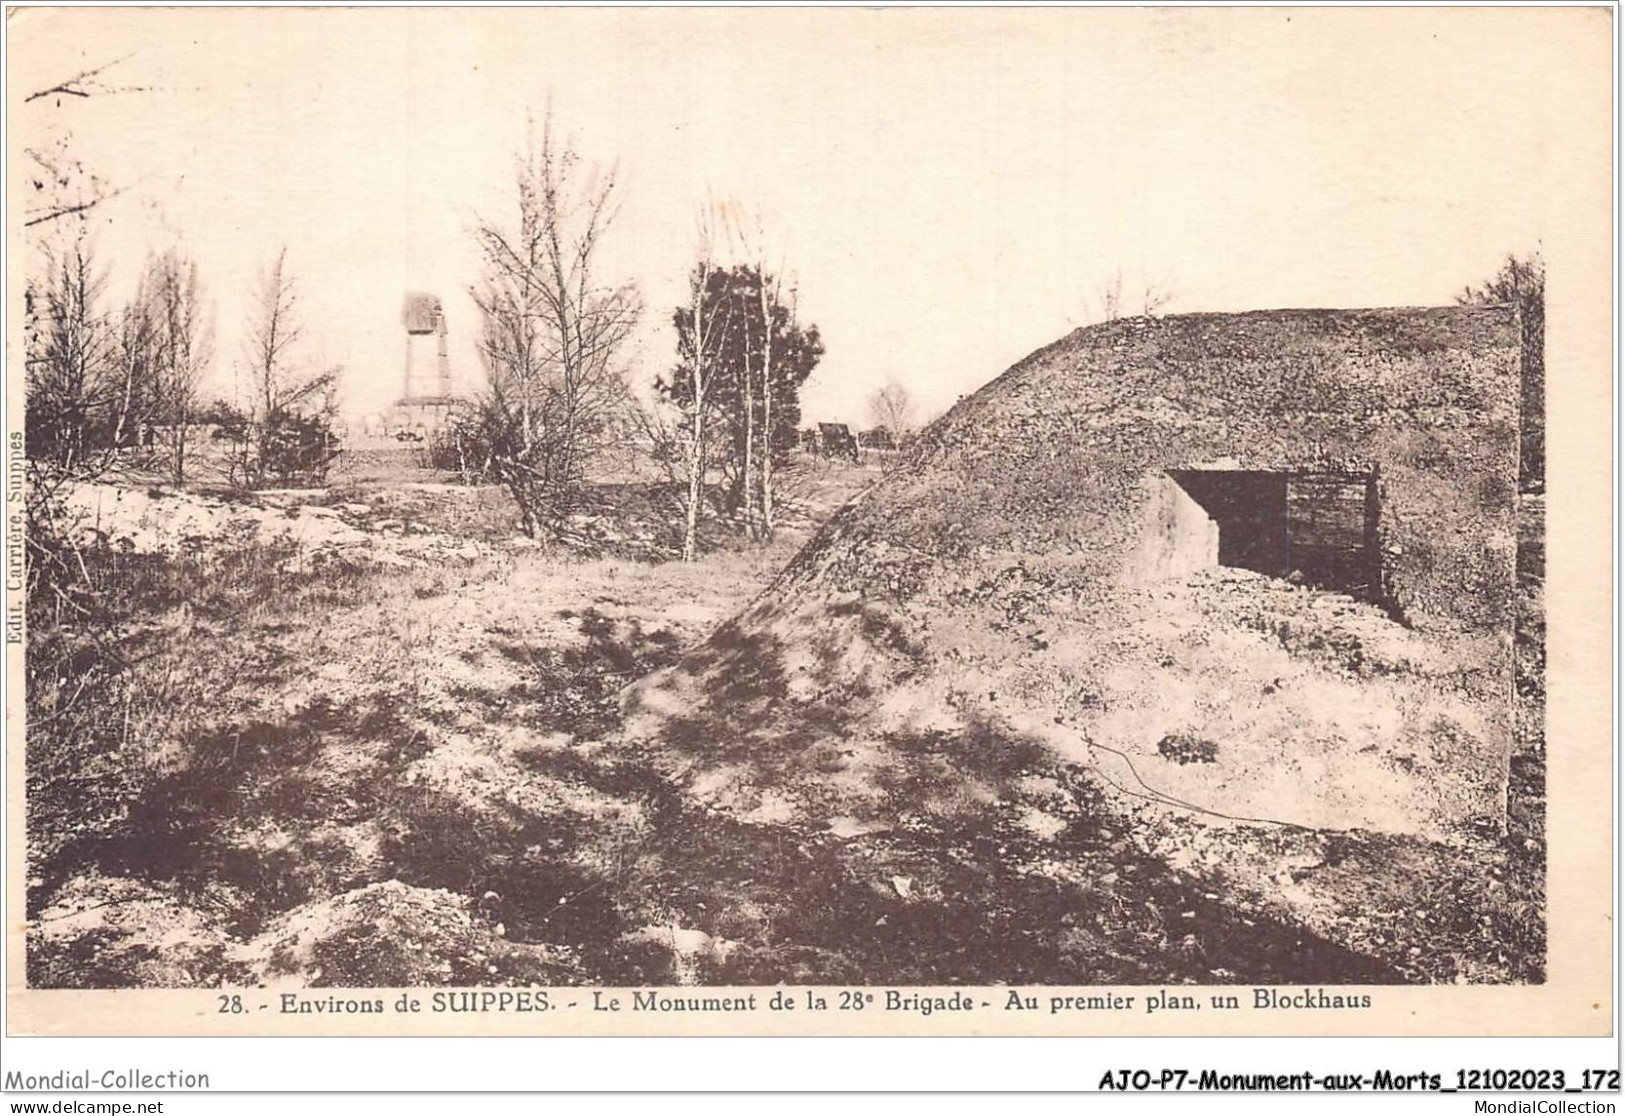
(785, 1000)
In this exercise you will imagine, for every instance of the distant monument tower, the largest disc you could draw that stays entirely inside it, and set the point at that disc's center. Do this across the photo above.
(427, 399)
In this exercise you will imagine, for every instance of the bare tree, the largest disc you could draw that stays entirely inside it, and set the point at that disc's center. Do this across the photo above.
(89, 395)
(767, 300)
(92, 386)
(1114, 304)
(768, 291)
(185, 346)
(290, 403)
(1110, 297)
(752, 378)
(75, 412)
(891, 409)
(58, 184)
(82, 364)
(72, 366)
(551, 332)
(747, 413)
(764, 356)
(1155, 296)
(700, 328)
(281, 387)
(89, 82)
(136, 405)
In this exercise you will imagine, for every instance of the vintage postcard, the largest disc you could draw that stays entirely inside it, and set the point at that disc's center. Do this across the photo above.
(809, 521)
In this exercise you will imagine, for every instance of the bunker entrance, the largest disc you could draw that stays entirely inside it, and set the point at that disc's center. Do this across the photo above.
(1315, 527)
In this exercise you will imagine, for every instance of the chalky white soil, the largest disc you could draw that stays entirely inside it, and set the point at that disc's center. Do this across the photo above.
(409, 747)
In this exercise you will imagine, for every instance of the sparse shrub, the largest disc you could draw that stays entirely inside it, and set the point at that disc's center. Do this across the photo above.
(298, 448)
(460, 446)
(288, 449)
(530, 455)
(1185, 747)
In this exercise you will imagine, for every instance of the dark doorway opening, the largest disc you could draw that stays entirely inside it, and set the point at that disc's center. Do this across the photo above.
(1318, 528)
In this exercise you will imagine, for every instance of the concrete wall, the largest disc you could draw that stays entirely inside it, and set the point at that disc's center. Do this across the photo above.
(1180, 537)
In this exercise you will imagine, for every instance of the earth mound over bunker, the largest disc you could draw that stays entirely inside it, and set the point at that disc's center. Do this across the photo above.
(1289, 535)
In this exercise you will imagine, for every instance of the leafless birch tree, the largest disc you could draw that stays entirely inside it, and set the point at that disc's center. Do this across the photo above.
(767, 298)
(762, 375)
(551, 331)
(136, 404)
(184, 344)
(699, 334)
(291, 404)
(891, 409)
(279, 385)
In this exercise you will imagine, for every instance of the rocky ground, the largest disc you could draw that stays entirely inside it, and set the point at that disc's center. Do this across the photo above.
(367, 736)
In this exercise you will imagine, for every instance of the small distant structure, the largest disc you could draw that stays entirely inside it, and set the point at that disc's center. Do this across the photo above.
(877, 438)
(427, 401)
(834, 439)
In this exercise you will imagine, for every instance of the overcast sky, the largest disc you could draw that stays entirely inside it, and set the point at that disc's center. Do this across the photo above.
(949, 189)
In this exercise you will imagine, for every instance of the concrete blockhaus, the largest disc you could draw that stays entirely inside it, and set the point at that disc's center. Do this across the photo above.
(1291, 534)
